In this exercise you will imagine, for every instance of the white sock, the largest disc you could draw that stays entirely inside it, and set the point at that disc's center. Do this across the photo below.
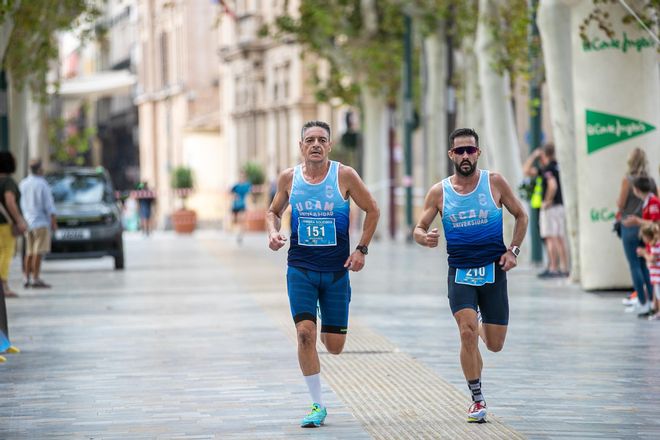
(314, 387)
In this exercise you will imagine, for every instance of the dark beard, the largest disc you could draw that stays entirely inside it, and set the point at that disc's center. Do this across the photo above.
(467, 173)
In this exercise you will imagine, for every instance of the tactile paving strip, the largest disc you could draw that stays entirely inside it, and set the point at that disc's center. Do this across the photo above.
(393, 395)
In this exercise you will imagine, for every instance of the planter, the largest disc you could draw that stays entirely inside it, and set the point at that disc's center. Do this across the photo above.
(184, 221)
(255, 220)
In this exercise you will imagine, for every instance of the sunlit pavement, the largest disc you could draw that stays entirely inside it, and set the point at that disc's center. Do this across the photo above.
(192, 340)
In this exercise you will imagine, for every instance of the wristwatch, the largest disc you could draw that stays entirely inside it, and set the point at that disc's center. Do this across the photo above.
(515, 250)
(362, 248)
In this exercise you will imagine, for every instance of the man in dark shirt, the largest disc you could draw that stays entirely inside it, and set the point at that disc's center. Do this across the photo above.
(552, 217)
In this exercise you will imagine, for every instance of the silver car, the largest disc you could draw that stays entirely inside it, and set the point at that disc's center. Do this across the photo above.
(88, 215)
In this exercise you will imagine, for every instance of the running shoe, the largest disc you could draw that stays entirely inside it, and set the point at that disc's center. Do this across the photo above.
(477, 412)
(315, 418)
(3, 359)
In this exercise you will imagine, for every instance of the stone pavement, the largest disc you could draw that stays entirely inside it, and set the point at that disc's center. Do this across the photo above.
(193, 340)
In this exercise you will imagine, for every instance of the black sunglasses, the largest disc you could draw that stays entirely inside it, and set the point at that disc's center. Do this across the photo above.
(462, 150)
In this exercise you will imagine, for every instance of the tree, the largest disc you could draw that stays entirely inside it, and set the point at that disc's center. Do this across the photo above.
(32, 46)
(362, 40)
(27, 48)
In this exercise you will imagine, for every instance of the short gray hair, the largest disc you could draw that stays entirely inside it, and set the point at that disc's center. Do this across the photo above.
(310, 124)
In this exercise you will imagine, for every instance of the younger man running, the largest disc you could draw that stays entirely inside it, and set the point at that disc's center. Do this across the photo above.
(470, 203)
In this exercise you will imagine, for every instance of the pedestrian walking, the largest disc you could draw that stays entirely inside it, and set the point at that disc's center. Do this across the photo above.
(12, 222)
(470, 204)
(552, 218)
(630, 205)
(240, 191)
(146, 198)
(319, 191)
(39, 211)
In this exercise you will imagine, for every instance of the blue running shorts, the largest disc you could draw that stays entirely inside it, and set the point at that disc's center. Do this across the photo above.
(332, 292)
(492, 298)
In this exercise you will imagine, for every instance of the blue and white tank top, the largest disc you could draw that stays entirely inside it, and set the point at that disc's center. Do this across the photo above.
(319, 223)
(472, 224)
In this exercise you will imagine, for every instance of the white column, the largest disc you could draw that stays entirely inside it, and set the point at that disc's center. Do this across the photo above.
(617, 107)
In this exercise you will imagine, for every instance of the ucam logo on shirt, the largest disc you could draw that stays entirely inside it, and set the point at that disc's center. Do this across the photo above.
(309, 205)
(470, 217)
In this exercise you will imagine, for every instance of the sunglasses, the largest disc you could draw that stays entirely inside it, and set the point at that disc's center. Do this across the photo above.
(462, 150)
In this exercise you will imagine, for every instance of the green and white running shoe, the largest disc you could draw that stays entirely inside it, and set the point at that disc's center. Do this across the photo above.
(315, 418)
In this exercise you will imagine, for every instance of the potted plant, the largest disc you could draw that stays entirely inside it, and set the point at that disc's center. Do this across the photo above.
(255, 219)
(184, 220)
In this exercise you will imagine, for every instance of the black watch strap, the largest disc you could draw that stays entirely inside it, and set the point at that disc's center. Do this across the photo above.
(362, 248)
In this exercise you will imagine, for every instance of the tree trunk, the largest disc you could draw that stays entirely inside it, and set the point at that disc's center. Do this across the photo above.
(554, 23)
(470, 108)
(6, 28)
(500, 131)
(500, 137)
(19, 140)
(375, 152)
(435, 107)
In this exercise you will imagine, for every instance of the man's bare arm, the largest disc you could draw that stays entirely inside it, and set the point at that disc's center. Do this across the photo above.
(513, 205)
(421, 232)
(274, 215)
(358, 191)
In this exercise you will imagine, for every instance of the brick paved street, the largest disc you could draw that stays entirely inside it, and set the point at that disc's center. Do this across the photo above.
(193, 340)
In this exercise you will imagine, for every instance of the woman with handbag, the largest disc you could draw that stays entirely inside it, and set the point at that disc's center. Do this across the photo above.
(628, 205)
(12, 222)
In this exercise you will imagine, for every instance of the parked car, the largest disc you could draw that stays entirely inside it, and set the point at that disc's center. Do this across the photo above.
(88, 215)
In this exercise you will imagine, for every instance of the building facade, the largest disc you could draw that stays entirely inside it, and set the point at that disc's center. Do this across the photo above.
(267, 92)
(178, 104)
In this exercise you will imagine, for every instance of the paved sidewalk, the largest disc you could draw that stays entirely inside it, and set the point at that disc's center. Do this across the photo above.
(193, 340)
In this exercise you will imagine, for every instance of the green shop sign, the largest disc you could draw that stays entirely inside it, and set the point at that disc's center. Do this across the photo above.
(602, 215)
(604, 129)
(623, 44)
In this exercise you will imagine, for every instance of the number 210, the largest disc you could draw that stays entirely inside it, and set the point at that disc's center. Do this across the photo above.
(476, 272)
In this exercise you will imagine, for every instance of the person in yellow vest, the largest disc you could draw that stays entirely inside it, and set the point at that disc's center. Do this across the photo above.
(541, 164)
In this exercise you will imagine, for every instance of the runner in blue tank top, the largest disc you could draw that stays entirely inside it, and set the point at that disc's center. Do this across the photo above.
(319, 192)
(470, 203)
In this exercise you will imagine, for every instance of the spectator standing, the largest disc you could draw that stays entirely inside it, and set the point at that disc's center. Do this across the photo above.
(10, 197)
(650, 234)
(630, 205)
(10, 214)
(39, 210)
(642, 187)
(552, 219)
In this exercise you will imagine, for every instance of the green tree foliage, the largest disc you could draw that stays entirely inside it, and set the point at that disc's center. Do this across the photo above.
(359, 55)
(32, 45)
(255, 173)
(458, 17)
(181, 178)
(70, 148)
(510, 23)
(647, 11)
